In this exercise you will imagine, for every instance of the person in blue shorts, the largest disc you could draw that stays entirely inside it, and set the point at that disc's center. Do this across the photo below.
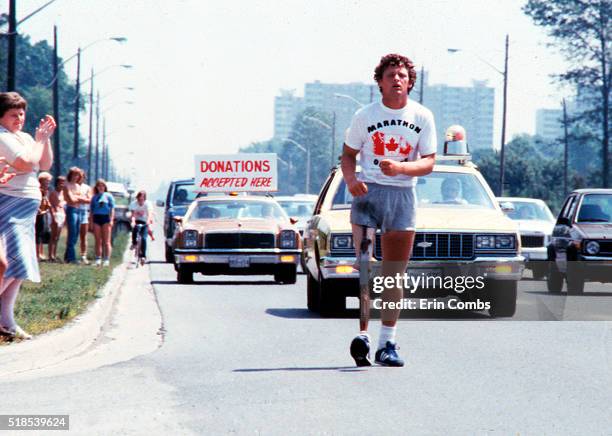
(102, 209)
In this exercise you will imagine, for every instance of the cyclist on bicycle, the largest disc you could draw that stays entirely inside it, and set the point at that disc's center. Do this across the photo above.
(142, 213)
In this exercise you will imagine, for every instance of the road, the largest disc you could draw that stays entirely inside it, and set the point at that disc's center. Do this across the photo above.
(243, 355)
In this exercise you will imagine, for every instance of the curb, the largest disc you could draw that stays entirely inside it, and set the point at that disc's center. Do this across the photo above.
(70, 340)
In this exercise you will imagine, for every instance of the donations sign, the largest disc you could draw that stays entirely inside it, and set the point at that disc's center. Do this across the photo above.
(236, 172)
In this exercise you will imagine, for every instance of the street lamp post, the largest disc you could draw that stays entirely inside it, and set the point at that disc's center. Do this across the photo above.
(307, 151)
(54, 83)
(57, 161)
(91, 108)
(97, 134)
(504, 104)
(90, 144)
(348, 97)
(332, 129)
(77, 104)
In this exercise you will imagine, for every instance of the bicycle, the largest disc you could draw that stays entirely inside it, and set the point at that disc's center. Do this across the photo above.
(139, 255)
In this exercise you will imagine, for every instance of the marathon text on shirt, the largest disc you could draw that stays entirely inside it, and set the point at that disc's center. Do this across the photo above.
(387, 123)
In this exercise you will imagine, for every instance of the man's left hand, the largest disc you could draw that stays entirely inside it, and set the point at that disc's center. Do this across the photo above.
(390, 167)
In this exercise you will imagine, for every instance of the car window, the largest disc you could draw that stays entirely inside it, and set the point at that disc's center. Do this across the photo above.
(527, 210)
(300, 209)
(224, 209)
(596, 208)
(184, 194)
(566, 207)
(436, 189)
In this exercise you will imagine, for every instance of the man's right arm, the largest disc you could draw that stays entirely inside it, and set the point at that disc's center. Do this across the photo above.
(348, 163)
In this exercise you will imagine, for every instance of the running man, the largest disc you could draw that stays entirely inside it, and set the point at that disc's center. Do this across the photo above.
(396, 142)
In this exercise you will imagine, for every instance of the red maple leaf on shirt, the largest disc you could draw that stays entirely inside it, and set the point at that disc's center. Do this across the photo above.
(392, 145)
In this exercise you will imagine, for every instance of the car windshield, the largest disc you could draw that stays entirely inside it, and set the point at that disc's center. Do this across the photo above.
(184, 194)
(527, 210)
(299, 209)
(438, 189)
(235, 209)
(596, 208)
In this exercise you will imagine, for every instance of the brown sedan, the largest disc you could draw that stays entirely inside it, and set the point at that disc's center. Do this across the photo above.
(236, 236)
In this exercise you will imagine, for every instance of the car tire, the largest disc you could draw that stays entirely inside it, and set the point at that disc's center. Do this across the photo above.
(502, 297)
(574, 278)
(554, 280)
(286, 275)
(539, 270)
(312, 293)
(169, 254)
(331, 301)
(183, 275)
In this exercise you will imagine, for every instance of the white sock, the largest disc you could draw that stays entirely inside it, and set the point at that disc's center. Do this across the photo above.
(364, 333)
(387, 334)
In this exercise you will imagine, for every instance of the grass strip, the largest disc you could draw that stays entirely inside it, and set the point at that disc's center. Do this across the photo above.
(65, 290)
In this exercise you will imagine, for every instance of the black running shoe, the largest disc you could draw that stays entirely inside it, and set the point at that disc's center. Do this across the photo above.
(360, 350)
(388, 356)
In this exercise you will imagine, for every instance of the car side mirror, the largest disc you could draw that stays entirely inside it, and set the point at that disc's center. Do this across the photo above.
(293, 220)
(506, 206)
(562, 221)
(159, 203)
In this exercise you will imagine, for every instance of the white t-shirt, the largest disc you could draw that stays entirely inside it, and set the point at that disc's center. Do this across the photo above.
(141, 213)
(379, 132)
(85, 189)
(25, 183)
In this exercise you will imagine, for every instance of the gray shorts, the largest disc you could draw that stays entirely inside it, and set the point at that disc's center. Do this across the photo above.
(385, 207)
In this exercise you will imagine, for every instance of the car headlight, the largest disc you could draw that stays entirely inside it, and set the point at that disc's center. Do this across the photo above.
(341, 242)
(592, 247)
(288, 239)
(502, 242)
(190, 238)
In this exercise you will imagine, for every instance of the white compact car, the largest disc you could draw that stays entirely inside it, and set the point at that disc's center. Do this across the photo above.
(536, 223)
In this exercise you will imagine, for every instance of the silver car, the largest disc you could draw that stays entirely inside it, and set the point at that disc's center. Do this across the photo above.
(536, 223)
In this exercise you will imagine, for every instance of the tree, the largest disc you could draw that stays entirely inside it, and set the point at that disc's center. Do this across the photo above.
(34, 73)
(583, 32)
(530, 170)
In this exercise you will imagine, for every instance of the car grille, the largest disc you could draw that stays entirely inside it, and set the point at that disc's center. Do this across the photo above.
(531, 241)
(443, 246)
(239, 240)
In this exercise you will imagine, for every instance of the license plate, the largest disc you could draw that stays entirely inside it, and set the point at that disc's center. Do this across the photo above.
(239, 262)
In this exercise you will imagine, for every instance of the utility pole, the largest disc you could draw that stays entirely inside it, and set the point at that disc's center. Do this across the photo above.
(503, 130)
(77, 108)
(422, 80)
(104, 150)
(333, 139)
(57, 152)
(12, 45)
(565, 149)
(90, 145)
(97, 134)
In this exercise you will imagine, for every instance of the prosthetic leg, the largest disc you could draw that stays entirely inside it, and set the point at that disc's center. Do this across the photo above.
(360, 346)
(366, 251)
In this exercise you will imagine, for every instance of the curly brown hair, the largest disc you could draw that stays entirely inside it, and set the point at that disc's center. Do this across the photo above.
(396, 60)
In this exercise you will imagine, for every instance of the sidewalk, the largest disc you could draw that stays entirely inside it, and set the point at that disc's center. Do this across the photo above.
(127, 299)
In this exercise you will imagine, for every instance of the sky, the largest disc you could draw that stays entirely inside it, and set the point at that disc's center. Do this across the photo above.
(205, 73)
